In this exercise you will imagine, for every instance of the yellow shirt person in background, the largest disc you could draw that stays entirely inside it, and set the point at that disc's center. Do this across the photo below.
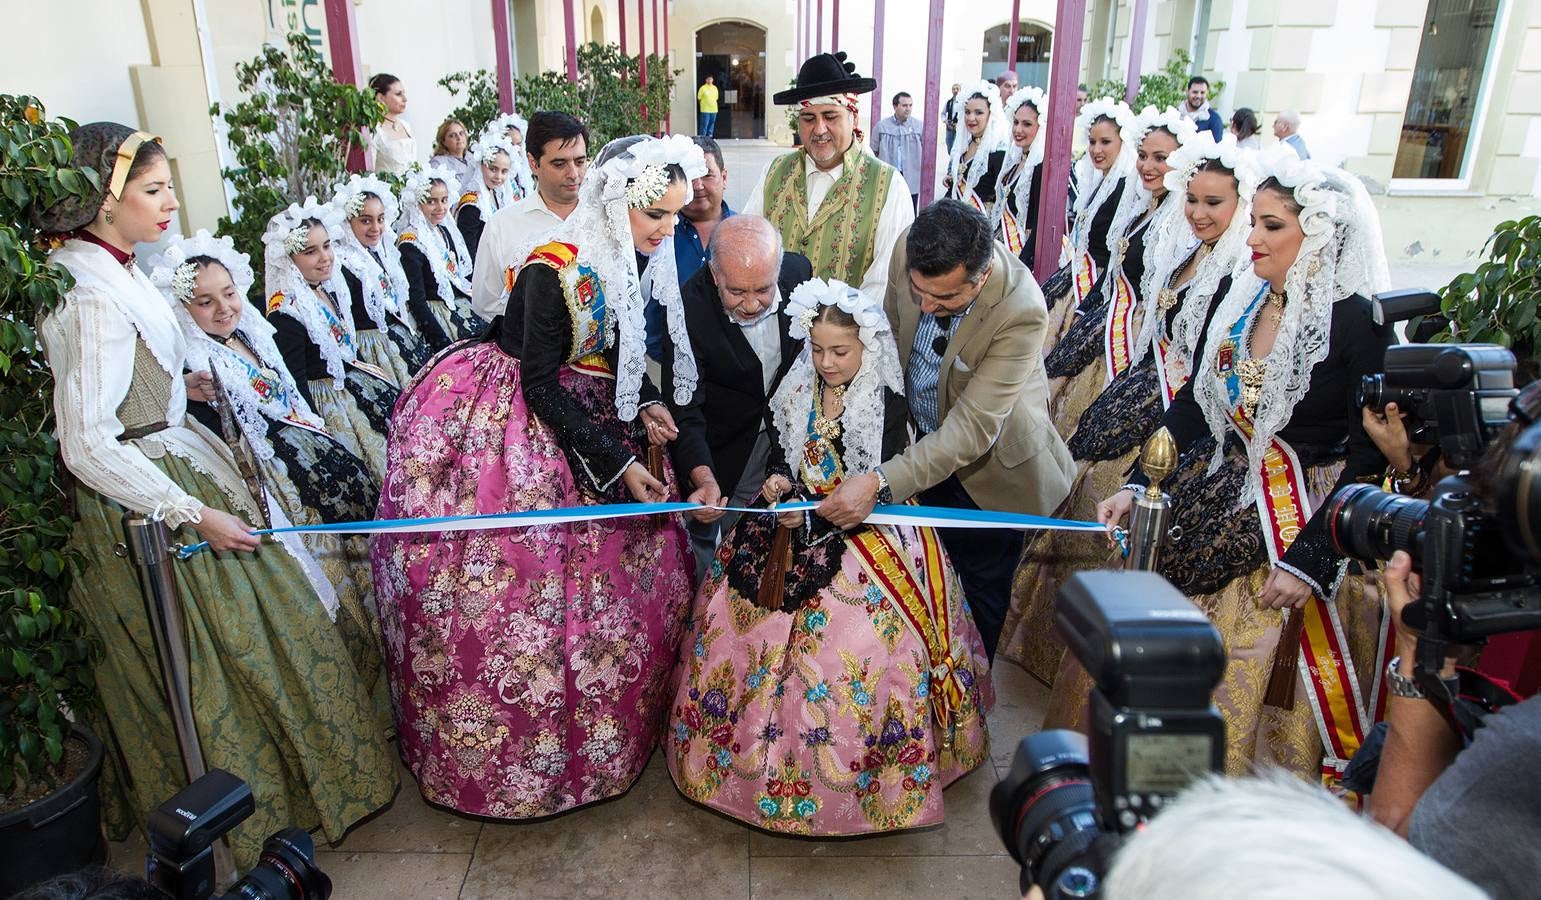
(706, 100)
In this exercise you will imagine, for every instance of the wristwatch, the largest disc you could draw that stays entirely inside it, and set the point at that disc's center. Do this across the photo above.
(1399, 685)
(885, 494)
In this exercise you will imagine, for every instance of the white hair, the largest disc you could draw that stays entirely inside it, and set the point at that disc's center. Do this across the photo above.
(1273, 837)
(1289, 117)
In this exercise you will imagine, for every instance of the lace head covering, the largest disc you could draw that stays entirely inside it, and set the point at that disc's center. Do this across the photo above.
(490, 200)
(1095, 185)
(380, 299)
(632, 173)
(1340, 255)
(861, 423)
(1023, 189)
(1136, 199)
(446, 278)
(1171, 241)
(520, 180)
(289, 293)
(997, 134)
(176, 277)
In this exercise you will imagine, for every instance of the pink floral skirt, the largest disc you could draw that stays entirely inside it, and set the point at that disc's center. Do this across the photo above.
(529, 667)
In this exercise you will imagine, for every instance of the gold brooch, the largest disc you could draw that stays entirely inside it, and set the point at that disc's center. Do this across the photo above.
(1252, 372)
(1166, 299)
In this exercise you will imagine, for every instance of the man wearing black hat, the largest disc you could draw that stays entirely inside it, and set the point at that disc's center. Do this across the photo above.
(832, 201)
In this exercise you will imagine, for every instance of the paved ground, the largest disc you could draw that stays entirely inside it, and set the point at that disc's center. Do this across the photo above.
(652, 842)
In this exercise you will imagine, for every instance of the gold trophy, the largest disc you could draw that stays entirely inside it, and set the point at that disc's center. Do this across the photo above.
(1152, 515)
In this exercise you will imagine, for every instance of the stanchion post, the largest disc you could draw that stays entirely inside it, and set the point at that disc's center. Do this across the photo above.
(1152, 515)
(147, 544)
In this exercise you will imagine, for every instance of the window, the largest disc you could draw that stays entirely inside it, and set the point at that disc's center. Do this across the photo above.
(1032, 53)
(1439, 127)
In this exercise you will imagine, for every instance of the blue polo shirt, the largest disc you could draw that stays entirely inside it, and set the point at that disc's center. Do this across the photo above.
(689, 257)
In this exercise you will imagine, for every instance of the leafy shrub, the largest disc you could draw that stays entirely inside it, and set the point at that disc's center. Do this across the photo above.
(607, 95)
(481, 103)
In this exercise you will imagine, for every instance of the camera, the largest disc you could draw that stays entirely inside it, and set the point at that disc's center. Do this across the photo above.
(182, 832)
(1454, 395)
(1155, 659)
(1421, 309)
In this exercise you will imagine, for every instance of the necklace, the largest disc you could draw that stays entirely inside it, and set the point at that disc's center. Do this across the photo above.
(827, 427)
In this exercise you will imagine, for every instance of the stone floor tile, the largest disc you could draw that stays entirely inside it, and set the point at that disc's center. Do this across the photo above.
(128, 856)
(650, 842)
(394, 876)
(1020, 703)
(868, 877)
(411, 824)
(966, 831)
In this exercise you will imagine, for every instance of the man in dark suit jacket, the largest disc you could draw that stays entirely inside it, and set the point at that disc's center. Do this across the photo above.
(742, 349)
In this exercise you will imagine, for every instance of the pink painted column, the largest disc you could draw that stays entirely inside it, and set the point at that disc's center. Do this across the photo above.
(933, 101)
(1011, 41)
(668, 121)
(505, 55)
(621, 7)
(342, 44)
(834, 27)
(1065, 68)
(877, 62)
(819, 26)
(656, 43)
(798, 40)
(1136, 49)
(642, 51)
(572, 40)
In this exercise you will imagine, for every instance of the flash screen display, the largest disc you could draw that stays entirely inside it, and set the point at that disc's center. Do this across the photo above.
(1166, 763)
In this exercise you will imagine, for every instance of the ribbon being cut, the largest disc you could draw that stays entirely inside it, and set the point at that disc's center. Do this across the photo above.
(927, 516)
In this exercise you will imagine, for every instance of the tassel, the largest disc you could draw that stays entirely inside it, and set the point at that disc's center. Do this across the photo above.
(773, 579)
(1286, 662)
(655, 462)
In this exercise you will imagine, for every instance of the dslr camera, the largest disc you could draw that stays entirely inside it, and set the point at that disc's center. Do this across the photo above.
(182, 832)
(1067, 802)
(1476, 540)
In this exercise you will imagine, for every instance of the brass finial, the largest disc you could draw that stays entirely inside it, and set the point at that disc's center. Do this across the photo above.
(1158, 459)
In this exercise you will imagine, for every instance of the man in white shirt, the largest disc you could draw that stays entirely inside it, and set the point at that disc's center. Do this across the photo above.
(1286, 127)
(742, 350)
(832, 201)
(559, 157)
(897, 142)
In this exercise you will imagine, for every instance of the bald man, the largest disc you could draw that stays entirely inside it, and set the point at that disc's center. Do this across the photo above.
(742, 348)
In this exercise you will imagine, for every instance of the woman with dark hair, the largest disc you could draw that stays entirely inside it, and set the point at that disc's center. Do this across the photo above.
(393, 146)
(1244, 126)
(436, 260)
(529, 665)
(844, 700)
(975, 163)
(1268, 430)
(371, 265)
(276, 692)
(451, 148)
(1021, 178)
(487, 191)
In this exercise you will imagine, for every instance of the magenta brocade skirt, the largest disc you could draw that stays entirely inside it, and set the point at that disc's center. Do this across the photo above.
(529, 667)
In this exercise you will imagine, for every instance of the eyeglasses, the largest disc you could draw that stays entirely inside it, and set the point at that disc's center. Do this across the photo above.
(939, 343)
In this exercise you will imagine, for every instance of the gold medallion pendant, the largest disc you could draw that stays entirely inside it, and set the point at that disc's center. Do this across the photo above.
(1252, 372)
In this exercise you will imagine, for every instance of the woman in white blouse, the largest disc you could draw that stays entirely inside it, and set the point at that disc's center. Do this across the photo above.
(275, 693)
(393, 144)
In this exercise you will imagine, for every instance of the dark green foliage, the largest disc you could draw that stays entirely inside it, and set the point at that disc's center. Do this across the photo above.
(1496, 304)
(46, 658)
(1167, 86)
(607, 96)
(481, 102)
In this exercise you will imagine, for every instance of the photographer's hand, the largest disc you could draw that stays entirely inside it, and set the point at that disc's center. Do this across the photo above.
(1390, 436)
(1284, 590)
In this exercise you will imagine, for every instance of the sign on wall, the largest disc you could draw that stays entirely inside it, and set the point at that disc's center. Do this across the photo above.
(286, 17)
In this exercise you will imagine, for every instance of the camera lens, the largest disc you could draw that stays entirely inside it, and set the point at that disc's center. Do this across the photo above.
(1372, 389)
(286, 871)
(1369, 524)
(1045, 812)
(1519, 494)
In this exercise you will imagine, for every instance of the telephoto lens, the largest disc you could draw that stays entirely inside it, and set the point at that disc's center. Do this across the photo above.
(1046, 813)
(1369, 524)
(286, 870)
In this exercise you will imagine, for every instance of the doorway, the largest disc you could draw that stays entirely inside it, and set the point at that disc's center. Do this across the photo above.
(1034, 42)
(733, 53)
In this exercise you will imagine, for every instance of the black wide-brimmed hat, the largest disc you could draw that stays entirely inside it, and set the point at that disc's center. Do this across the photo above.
(825, 75)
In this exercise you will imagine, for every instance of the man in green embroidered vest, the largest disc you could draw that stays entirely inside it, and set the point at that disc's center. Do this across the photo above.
(833, 201)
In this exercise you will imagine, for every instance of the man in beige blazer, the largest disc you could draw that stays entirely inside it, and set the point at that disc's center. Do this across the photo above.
(969, 320)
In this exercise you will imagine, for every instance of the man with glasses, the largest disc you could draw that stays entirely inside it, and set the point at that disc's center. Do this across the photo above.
(742, 350)
(969, 322)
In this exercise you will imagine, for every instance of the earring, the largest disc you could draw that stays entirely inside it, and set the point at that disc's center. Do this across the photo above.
(109, 216)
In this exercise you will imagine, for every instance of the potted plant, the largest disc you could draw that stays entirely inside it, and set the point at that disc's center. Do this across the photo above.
(1496, 304)
(50, 809)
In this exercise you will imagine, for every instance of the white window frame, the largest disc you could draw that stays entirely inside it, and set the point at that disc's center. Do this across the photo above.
(1462, 184)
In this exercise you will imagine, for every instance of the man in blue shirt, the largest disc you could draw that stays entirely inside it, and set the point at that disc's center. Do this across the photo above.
(692, 233)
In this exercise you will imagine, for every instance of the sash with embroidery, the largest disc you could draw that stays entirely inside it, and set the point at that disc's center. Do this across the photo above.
(587, 309)
(1085, 268)
(1284, 507)
(1012, 232)
(922, 596)
(1118, 332)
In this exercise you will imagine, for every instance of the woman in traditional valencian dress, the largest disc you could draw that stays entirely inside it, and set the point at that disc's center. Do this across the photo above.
(846, 701)
(1021, 178)
(1189, 254)
(1262, 427)
(1101, 177)
(312, 319)
(435, 258)
(975, 165)
(1099, 344)
(282, 446)
(377, 284)
(511, 127)
(275, 692)
(486, 191)
(530, 666)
